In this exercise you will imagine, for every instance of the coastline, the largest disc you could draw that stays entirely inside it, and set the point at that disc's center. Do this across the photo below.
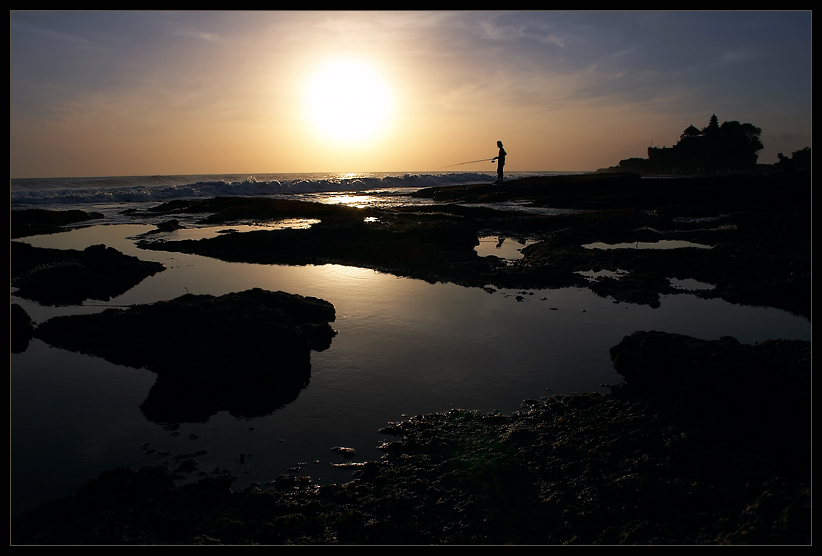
(768, 269)
(641, 465)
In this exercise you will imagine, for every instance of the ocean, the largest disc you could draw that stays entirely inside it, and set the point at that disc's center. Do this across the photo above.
(404, 346)
(112, 194)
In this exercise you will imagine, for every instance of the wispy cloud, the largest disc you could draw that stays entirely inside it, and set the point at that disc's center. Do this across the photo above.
(455, 71)
(732, 56)
(193, 33)
(40, 33)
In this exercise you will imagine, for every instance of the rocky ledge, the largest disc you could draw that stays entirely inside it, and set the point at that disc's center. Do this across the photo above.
(704, 442)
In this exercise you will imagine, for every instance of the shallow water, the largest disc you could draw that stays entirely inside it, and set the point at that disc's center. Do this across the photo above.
(404, 347)
(661, 244)
(503, 247)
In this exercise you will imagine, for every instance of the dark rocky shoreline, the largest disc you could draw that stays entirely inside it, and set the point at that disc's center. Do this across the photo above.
(759, 228)
(705, 451)
(702, 443)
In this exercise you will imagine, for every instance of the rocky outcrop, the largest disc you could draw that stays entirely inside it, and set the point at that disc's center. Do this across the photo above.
(21, 328)
(755, 397)
(619, 468)
(758, 226)
(246, 352)
(69, 277)
(31, 222)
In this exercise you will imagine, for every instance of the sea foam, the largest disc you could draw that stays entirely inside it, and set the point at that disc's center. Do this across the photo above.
(145, 189)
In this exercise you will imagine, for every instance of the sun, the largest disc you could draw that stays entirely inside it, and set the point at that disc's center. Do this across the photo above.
(347, 100)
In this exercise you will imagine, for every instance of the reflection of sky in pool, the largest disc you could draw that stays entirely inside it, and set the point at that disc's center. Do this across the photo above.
(677, 283)
(502, 247)
(209, 232)
(662, 244)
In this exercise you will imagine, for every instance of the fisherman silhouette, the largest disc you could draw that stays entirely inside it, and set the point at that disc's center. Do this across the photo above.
(500, 161)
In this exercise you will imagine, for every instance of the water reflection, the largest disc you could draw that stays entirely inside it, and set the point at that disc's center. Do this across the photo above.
(661, 244)
(191, 399)
(503, 247)
(403, 346)
(213, 231)
(690, 284)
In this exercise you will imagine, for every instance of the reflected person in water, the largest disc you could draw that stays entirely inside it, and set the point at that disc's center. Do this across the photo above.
(500, 158)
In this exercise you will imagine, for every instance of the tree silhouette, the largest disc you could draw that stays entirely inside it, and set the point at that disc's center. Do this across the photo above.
(738, 144)
(802, 159)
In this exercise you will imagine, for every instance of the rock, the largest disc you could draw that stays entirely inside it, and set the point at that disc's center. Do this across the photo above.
(31, 222)
(22, 328)
(761, 254)
(169, 225)
(343, 451)
(68, 276)
(736, 394)
(245, 352)
(187, 466)
(584, 469)
(673, 365)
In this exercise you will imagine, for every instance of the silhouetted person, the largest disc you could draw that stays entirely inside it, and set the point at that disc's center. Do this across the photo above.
(500, 158)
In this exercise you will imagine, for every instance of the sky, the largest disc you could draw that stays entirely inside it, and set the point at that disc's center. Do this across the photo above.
(114, 93)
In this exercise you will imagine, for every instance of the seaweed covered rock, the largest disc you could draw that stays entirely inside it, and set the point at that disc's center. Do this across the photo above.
(68, 276)
(247, 352)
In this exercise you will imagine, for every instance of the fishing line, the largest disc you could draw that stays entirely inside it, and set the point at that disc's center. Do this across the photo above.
(469, 162)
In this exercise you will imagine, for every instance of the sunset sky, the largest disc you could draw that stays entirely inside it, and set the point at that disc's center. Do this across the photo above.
(150, 92)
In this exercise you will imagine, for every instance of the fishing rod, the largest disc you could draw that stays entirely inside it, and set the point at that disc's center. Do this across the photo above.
(469, 162)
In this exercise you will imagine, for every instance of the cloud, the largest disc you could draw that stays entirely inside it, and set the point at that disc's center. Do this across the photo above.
(198, 35)
(457, 74)
(42, 34)
(733, 56)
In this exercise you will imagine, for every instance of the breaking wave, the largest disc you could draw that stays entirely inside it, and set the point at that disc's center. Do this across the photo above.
(147, 189)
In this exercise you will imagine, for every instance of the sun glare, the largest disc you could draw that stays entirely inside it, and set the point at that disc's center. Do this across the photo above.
(347, 100)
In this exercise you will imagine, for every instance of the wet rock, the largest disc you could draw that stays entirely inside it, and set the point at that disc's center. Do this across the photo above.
(590, 468)
(164, 227)
(343, 451)
(246, 352)
(67, 276)
(225, 209)
(169, 225)
(186, 466)
(760, 231)
(22, 328)
(671, 365)
(31, 222)
(726, 390)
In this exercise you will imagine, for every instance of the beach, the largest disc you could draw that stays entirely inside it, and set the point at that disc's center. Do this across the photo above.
(454, 299)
